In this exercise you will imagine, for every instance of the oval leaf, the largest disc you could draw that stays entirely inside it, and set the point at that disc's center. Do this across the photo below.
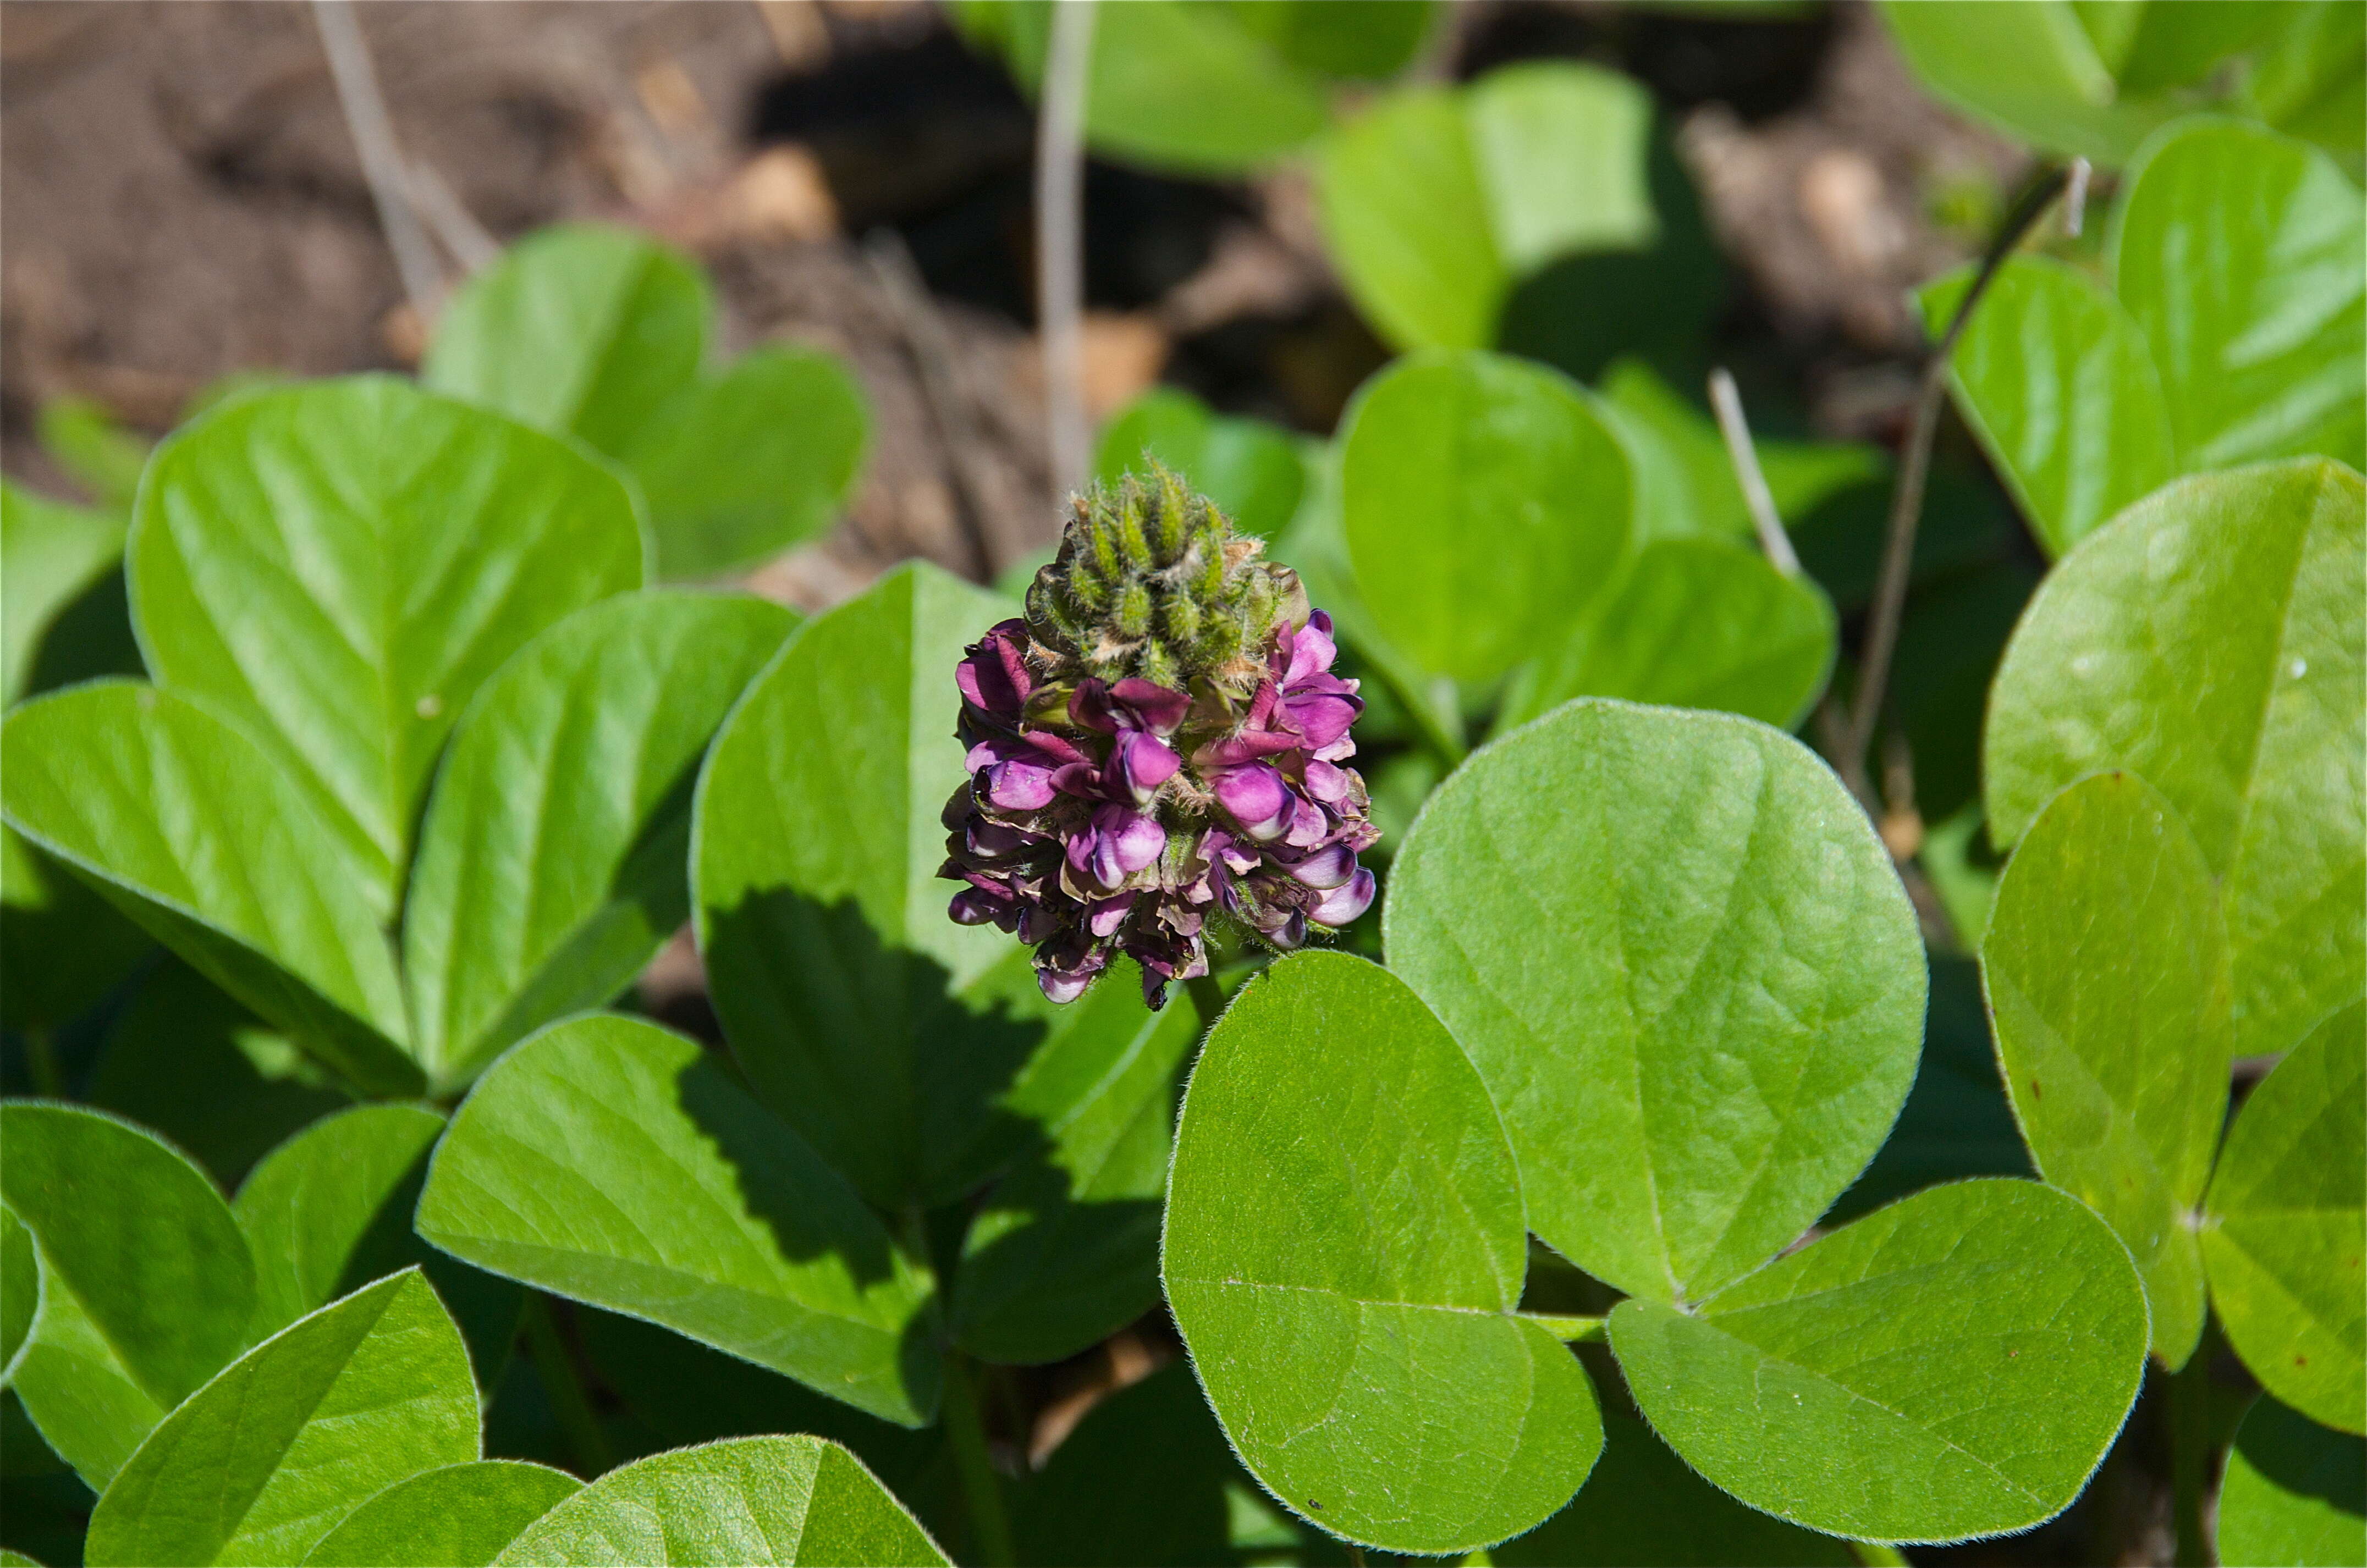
(1953, 1365)
(1485, 501)
(1680, 959)
(339, 566)
(264, 1460)
(551, 864)
(1360, 1341)
(746, 1500)
(2106, 961)
(146, 1287)
(2209, 639)
(1696, 624)
(578, 328)
(21, 1290)
(2284, 1232)
(609, 1161)
(914, 1054)
(2243, 254)
(188, 826)
(746, 464)
(459, 1516)
(50, 554)
(2057, 381)
(2293, 1493)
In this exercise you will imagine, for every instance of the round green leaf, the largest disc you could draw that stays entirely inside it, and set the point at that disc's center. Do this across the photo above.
(2209, 639)
(1485, 502)
(2106, 961)
(1064, 1250)
(2057, 381)
(50, 554)
(146, 1287)
(1405, 221)
(1560, 151)
(551, 865)
(1680, 959)
(265, 1460)
(1953, 1365)
(743, 466)
(188, 826)
(341, 565)
(745, 1500)
(2243, 254)
(1642, 1504)
(21, 1290)
(1248, 468)
(916, 1055)
(2029, 67)
(609, 1161)
(2293, 1493)
(578, 328)
(1696, 624)
(459, 1516)
(1367, 39)
(1344, 1256)
(2284, 1231)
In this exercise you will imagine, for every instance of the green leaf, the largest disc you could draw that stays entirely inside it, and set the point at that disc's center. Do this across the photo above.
(145, 1283)
(184, 1059)
(460, 1515)
(1642, 1505)
(1953, 1365)
(267, 1458)
(21, 1290)
(578, 328)
(2174, 45)
(2106, 963)
(2028, 67)
(551, 865)
(1364, 39)
(185, 825)
(1142, 1480)
(1248, 468)
(330, 1211)
(1680, 959)
(1344, 1257)
(2243, 254)
(1064, 1251)
(63, 947)
(50, 554)
(747, 1500)
(1957, 1121)
(743, 466)
(2283, 1232)
(96, 451)
(1697, 624)
(1485, 502)
(2209, 640)
(609, 1161)
(1685, 478)
(1559, 147)
(2057, 381)
(1405, 221)
(913, 1054)
(2309, 78)
(2293, 1493)
(338, 566)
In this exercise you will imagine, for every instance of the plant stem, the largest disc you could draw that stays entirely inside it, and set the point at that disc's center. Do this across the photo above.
(1873, 1555)
(1914, 469)
(990, 1526)
(1061, 237)
(41, 1064)
(570, 1405)
(1744, 455)
(382, 163)
(2189, 1452)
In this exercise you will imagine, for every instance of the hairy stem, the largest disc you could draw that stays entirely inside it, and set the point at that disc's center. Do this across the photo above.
(1914, 470)
(2189, 1452)
(570, 1405)
(1059, 238)
(989, 1524)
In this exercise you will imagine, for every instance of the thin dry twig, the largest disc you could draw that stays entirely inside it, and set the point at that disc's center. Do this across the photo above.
(382, 162)
(1059, 238)
(1915, 467)
(1728, 402)
(468, 240)
(924, 331)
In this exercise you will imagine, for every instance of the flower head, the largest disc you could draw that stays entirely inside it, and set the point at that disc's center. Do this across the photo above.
(1159, 743)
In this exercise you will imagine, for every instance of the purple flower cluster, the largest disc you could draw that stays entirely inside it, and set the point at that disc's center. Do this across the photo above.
(1106, 817)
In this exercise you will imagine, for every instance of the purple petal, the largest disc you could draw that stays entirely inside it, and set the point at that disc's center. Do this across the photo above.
(1062, 986)
(993, 675)
(1326, 868)
(976, 907)
(1257, 797)
(1326, 782)
(1345, 902)
(1312, 650)
(1157, 708)
(1104, 916)
(1323, 718)
(1140, 763)
(1019, 785)
(1307, 827)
